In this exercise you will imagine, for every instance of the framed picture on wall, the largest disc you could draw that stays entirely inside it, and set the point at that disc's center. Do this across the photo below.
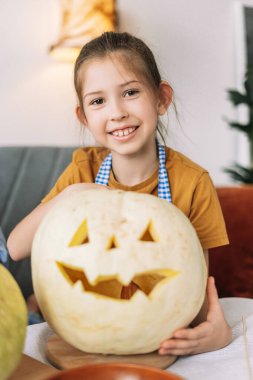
(243, 57)
(243, 35)
(248, 19)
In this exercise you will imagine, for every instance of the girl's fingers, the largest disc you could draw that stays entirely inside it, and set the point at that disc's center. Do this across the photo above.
(195, 333)
(181, 347)
(212, 295)
(179, 344)
(178, 352)
(207, 336)
(215, 312)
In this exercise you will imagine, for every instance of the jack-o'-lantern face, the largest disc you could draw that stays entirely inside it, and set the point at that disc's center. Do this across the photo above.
(112, 285)
(117, 272)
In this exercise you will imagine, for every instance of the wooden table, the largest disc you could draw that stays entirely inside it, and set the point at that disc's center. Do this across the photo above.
(32, 369)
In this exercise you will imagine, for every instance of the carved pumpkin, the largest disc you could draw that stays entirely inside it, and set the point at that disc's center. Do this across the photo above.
(117, 272)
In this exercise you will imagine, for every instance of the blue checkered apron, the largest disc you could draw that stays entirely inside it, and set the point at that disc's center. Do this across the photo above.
(103, 175)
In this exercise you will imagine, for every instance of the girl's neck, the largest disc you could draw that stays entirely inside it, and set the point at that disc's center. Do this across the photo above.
(130, 170)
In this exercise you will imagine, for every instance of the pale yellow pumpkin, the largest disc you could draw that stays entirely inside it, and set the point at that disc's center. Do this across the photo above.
(13, 321)
(94, 247)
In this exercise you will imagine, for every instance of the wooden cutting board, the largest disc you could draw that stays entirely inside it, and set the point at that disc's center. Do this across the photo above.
(32, 369)
(63, 356)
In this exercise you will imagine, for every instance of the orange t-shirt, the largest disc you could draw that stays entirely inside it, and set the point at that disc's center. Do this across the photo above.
(191, 187)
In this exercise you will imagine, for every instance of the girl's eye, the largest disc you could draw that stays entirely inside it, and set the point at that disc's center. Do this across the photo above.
(97, 102)
(131, 92)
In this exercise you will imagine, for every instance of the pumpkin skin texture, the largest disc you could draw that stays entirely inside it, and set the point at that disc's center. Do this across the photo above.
(95, 248)
(13, 321)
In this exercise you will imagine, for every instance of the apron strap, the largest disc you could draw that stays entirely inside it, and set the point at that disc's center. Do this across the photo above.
(163, 180)
(103, 175)
(164, 192)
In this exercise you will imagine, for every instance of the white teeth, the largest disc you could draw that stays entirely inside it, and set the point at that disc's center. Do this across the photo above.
(123, 132)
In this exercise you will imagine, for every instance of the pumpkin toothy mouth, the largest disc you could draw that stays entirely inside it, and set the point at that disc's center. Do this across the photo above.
(111, 286)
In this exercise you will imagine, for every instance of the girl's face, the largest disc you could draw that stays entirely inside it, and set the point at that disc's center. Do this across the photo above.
(120, 108)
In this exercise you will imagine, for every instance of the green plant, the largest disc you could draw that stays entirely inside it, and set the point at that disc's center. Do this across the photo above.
(238, 172)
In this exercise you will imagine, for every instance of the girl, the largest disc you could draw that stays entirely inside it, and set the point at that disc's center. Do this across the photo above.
(120, 98)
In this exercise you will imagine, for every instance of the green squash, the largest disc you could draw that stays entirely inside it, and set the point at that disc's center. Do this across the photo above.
(13, 322)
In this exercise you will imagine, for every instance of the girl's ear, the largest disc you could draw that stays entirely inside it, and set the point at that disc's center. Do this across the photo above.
(81, 116)
(165, 97)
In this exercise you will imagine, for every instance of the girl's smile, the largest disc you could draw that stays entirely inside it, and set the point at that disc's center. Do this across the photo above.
(124, 133)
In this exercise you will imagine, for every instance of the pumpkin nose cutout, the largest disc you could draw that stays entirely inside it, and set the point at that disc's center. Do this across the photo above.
(112, 243)
(110, 286)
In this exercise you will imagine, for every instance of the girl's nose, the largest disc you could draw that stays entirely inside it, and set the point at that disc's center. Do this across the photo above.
(119, 116)
(118, 112)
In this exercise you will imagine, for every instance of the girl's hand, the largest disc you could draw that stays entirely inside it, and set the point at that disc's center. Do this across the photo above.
(210, 335)
(19, 242)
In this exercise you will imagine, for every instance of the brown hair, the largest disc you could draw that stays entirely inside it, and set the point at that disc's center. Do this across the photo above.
(134, 51)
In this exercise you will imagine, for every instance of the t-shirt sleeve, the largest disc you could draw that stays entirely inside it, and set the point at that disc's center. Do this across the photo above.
(82, 169)
(68, 177)
(206, 214)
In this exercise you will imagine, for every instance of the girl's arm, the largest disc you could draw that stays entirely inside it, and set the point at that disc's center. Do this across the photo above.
(210, 329)
(19, 242)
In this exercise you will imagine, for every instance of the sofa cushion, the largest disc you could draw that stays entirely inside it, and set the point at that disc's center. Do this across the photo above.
(26, 176)
(232, 265)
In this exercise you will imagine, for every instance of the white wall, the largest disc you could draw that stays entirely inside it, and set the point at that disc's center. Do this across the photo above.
(193, 42)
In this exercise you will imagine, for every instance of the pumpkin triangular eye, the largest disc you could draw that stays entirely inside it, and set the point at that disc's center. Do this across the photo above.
(81, 235)
(149, 233)
(112, 243)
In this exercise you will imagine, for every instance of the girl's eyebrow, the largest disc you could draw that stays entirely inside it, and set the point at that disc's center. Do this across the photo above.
(92, 93)
(129, 82)
(121, 85)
